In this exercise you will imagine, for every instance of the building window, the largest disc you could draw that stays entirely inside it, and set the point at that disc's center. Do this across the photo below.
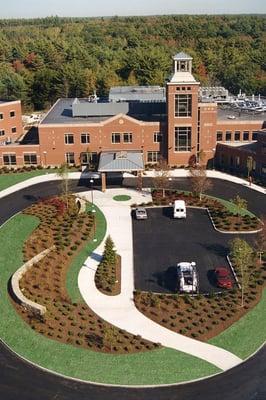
(246, 135)
(237, 135)
(219, 136)
(30, 159)
(116, 138)
(127, 137)
(254, 135)
(69, 138)
(153, 156)
(9, 159)
(85, 138)
(14, 129)
(70, 158)
(2, 132)
(157, 137)
(1, 116)
(183, 105)
(88, 158)
(182, 138)
(228, 136)
(12, 114)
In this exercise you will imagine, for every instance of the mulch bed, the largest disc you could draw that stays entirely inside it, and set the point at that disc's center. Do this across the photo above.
(202, 317)
(223, 219)
(45, 283)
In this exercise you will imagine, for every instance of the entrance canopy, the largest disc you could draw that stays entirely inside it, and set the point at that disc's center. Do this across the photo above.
(121, 161)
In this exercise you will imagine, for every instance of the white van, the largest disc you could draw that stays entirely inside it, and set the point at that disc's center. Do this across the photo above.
(180, 209)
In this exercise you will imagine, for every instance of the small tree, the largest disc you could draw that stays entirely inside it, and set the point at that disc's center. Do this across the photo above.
(161, 178)
(110, 336)
(241, 255)
(199, 181)
(260, 242)
(240, 203)
(63, 173)
(249, 166)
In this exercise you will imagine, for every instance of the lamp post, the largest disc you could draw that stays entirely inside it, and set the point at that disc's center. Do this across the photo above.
(93, 211)
(91, 182)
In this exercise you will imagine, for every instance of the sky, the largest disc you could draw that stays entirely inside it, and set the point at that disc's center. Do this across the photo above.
(93, 8)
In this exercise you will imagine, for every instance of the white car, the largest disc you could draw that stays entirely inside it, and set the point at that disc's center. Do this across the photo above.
(187, 277)
(141, 213)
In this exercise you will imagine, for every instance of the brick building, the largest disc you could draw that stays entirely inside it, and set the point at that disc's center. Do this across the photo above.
(156, 122)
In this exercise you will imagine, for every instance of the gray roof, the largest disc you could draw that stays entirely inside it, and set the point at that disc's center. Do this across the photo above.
(182, 56)
(228, 113)
(111, 161)
(61, 112)
(83, 108)
(137, 93)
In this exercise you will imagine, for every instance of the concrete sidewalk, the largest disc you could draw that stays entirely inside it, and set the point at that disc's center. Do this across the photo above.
(120, 310)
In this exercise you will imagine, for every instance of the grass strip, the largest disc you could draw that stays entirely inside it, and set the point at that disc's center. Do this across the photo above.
(78, 261)
(122, 197)
(231, 207)
(246, 335)
(7, 180)
(163, 365)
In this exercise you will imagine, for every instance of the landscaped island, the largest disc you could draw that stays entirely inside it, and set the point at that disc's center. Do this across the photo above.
(45, 283)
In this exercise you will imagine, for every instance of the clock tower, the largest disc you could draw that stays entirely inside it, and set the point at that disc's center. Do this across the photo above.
(182, 108)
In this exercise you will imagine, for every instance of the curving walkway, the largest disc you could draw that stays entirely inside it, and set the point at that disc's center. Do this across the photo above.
(244, 382)
(120, 310)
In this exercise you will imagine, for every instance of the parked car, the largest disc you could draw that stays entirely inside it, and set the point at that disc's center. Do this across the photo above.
(187, 277)
(223, 278)
(141, 213)
(180, 209)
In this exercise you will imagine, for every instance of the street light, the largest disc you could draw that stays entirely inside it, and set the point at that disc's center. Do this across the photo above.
(93, 211)
(91, 182)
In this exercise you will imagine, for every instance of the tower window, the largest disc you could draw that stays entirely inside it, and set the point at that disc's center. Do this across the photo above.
(183, 105)
(219, 136)
(182, 138)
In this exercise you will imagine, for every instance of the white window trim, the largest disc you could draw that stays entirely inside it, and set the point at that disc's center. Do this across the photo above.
(85, 133)
(128, 133)
(69, 144)
(116, 133)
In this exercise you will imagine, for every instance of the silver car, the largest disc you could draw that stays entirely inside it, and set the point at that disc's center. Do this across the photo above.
(141, 213)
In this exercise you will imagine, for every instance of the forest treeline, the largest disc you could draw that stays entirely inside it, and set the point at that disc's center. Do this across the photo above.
(43, 59)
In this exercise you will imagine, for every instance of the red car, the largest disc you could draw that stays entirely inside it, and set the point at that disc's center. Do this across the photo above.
(223, 278)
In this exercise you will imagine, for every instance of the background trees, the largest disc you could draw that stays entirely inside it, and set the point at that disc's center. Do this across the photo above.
(44, 58)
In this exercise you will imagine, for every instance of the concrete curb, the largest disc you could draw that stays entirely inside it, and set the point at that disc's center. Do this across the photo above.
(233, 271)
(16, 277)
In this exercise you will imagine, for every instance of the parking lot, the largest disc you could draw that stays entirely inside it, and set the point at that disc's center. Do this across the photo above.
(160, 242)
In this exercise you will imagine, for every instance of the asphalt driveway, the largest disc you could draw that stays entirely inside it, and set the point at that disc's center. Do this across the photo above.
(160, 242)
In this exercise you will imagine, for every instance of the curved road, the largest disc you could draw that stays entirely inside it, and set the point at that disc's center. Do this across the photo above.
(20, 380)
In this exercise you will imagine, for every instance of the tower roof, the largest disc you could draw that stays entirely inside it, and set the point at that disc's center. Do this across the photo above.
(182, 56)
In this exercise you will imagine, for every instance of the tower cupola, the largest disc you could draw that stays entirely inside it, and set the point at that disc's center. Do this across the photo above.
(182, 63)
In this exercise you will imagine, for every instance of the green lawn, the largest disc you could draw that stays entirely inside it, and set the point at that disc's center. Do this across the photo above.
(163, 366)
(233, 208)
(11, 179)
(72, 275)
(248, 334)
(121, 197)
